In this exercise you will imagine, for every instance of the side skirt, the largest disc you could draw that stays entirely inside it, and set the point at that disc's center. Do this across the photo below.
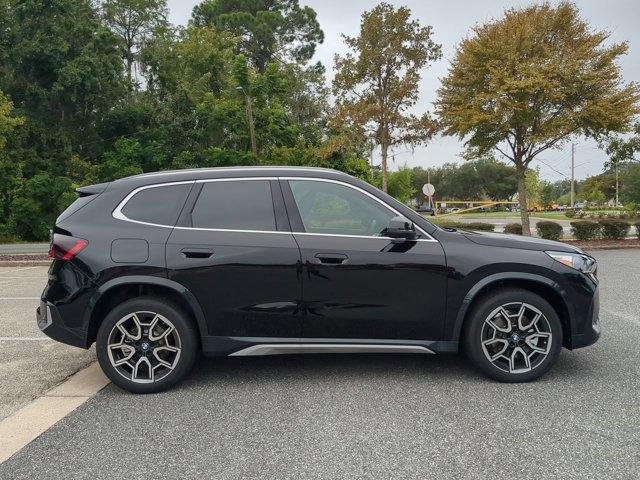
(253, 346)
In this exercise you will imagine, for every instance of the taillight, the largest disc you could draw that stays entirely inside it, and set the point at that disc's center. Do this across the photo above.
(64, 247)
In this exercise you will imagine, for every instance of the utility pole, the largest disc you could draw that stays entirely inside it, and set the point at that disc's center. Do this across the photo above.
(249, 112)
(617, 183)
(573, 173)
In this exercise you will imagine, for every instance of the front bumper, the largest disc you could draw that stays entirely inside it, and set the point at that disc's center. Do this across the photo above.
(592, 328)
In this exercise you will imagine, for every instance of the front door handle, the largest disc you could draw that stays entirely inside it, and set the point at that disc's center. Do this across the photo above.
(197, 252)
(331, 258)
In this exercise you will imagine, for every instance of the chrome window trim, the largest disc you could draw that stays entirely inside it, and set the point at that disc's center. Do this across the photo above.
(117, 213)
(381, 202)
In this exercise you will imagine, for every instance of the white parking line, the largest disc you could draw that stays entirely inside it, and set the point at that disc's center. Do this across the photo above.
(25, 339)
(18, 430)
(19, 298)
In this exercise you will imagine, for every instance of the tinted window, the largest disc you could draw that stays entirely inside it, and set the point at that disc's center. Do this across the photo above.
(159, 205)
(235, 205)
(327, 207)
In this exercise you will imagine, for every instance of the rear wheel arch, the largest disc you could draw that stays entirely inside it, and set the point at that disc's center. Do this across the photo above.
(120, 290)
(541, 286)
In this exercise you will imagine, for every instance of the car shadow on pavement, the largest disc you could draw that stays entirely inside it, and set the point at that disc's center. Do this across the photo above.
(365, 368)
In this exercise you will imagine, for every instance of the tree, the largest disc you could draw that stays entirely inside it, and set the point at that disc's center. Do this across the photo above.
(268, 30)
(631, 190)
(400, 184)
(376, 83)
(533, 187)
(10, 172)
(8, 121)
(621, 151)
(497, 180)
(63, 71)
(134, 22)
(529, 81)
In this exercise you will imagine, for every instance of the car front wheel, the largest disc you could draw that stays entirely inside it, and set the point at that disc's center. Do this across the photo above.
(513, 336)
(146, 345)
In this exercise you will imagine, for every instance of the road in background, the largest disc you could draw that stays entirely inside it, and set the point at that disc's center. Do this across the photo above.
(501, 222)
(16, 248)
(369, 416)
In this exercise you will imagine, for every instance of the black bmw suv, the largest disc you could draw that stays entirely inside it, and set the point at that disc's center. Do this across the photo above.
(270, 260)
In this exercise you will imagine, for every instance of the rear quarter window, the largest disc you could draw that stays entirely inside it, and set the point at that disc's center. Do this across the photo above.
(75, 206)
(158, 205)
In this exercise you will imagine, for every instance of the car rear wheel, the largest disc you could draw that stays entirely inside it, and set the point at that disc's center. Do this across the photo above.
(513, 336)
(146, 345)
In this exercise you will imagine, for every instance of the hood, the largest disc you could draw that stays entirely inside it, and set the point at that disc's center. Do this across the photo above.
(517, 241)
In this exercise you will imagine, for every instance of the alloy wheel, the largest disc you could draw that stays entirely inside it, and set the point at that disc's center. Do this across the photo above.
(516, 337)
(144, 347)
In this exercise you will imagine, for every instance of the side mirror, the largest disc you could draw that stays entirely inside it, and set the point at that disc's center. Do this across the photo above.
(401, 227)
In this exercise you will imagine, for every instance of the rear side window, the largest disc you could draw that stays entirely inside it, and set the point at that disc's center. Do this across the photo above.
(235, 205)
(159, 205)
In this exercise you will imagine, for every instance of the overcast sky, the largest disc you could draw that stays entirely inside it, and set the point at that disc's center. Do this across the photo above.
(451, 21)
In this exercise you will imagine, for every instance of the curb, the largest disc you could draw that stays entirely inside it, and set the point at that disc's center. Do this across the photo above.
(35, 418)
(25, 263)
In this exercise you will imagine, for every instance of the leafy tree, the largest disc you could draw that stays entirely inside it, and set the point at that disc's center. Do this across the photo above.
(63, 71)
(268, 30)
(10, 172)
(134, 22)
(597, 188)
(400, 184)
(529, 81)
(497, 180)
(307, 100)
(8, 121)
(631, 190)
(621, 151)
(533, 187)
(376, 83)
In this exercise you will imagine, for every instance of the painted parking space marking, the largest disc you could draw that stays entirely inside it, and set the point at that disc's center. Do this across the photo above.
(25, 339)
(19, 298)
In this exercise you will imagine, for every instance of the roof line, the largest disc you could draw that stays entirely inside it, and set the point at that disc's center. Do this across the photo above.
(236, 169)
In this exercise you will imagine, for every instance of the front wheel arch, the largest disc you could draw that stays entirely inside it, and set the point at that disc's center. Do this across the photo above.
(539, 285)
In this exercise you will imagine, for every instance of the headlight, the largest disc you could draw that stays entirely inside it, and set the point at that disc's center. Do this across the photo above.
(583, 263)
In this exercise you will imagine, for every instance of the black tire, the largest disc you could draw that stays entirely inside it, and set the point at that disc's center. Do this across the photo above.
(473, 337)
(186, 335)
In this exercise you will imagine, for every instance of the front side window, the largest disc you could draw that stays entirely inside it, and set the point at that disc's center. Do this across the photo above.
(235, 205)
(158, 205)
(332, 208)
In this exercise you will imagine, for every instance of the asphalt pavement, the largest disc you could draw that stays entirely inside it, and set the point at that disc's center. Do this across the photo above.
(370, 416)
(30, 362)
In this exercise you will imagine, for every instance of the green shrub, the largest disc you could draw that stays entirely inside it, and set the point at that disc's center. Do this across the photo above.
(570, 213)
(487, 227)
(585, 229)
(614, 229)
(6, 235)
(549, 230)
(514, 228)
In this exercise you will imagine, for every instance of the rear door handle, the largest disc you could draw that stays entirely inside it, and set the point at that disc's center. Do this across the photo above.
(197, 252)
(331, 258)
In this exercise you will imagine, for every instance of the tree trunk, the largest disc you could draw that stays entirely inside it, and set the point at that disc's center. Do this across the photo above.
(521, 171)
(384, 148)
